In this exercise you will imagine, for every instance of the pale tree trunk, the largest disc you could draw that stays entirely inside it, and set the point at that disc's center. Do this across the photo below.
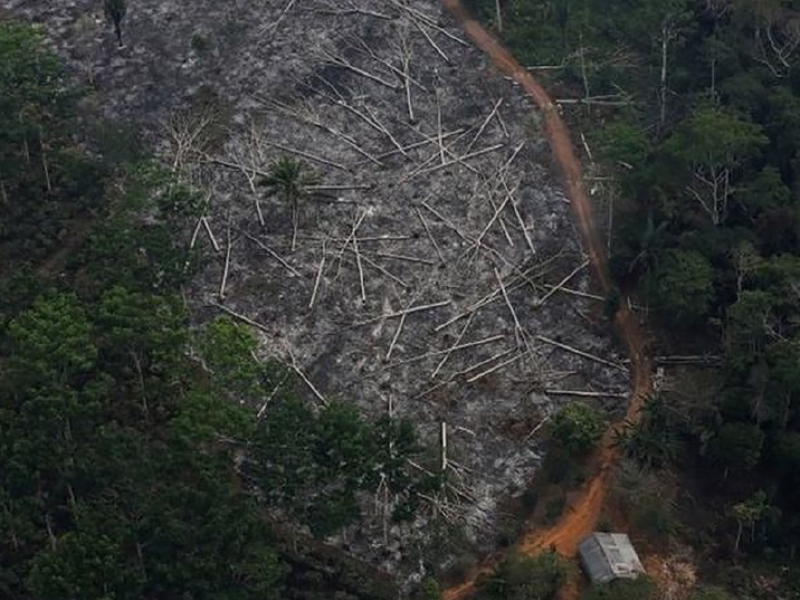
(662, 115)
(45, 166)
(73, 501)
(52, 536)
(499, 16)
(739, 529)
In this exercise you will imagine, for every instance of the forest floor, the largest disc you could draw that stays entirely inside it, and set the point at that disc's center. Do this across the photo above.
(582, 515)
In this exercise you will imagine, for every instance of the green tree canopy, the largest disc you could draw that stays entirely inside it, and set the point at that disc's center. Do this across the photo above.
(578, 427)
(684, 286)
(736, 446)
(521, 577)
(642, 588)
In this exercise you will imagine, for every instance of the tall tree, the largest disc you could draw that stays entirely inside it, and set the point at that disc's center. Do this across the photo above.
(713, 144)
(288, 178)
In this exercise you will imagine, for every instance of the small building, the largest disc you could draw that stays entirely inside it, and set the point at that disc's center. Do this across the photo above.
(609, 556)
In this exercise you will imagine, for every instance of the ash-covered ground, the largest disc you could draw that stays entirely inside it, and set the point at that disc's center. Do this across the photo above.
(423, 280)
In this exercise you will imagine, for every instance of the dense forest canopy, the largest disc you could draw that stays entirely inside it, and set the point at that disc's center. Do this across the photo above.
(692, 106)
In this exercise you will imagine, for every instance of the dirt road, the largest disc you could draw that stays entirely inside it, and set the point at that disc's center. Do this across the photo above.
(580, 518)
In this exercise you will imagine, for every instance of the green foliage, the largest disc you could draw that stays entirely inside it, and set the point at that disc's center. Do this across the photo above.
(787, 451)
(124, 447)
(736, 446)
(50, 343)
(707, 228)
(228, 349)
(578, 428)
(714, 137)
(624, 146)
(200, 43)
(312, 465)
(710, 593)
(429, 590)
(287, 177)
(44, 182)
(684, 286)
(646, 497)
(641, 588)
(32, 93)
(654, 441)
(521, 577)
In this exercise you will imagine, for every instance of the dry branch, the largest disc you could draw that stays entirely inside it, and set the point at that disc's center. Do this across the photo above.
(533, 431)
(272, 253)
(585, 394)
(210, 234)
(519, 332)
(349, 240)
(431, 42)
(296, 368)
(577, 352)
(309, 156)
(520, 220)
(318, 278)
(483, 126)
(341, 61)
(562, 283)
(497, 367)
(241, 317)
(226, 270)
(411, 259)
(461, 159)
(430, 235)
(400, 313)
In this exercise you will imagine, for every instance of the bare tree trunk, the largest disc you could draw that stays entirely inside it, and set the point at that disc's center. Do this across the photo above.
(140, 373)
(443, 441)
(586, 92)
(295, 219)
(140, 556)
(52, 536)
(714, 80)
(45, 166)
(662, 116)
(73, 502)
(739, 529)
(499, 16)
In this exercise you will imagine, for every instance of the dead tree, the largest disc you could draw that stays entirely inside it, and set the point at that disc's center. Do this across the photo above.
(668, 34)
(777, 44)
(116, 11)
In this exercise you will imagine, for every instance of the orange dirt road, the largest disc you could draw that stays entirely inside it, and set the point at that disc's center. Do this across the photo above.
(581, 516)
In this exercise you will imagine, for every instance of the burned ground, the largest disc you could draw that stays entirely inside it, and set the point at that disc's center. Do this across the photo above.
(424, 281)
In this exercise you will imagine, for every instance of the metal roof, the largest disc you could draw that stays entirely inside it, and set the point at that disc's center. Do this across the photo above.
(609, 556)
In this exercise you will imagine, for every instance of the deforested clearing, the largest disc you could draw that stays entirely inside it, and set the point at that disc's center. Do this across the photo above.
(424, 266)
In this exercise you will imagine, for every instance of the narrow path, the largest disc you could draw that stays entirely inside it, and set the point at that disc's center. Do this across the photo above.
(580, 518)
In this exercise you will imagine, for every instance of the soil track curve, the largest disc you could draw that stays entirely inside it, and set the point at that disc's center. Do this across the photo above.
(582, 515)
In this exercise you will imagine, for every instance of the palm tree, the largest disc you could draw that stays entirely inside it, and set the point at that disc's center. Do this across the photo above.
(288, 178)
(115, 11)
(649, 246)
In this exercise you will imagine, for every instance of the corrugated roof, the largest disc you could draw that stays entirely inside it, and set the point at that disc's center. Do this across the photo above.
(609, 556)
